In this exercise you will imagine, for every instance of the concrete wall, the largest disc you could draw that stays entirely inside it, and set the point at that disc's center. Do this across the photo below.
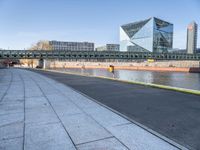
(30, 63)
(79, 64)
(2, 65)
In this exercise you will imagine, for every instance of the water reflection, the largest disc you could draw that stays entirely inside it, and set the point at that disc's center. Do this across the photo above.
(175, 79)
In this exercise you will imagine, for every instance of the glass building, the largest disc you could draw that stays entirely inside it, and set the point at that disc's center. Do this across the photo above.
(192, 38)
(150, 35)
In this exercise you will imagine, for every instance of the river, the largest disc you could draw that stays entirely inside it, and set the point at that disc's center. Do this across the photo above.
(174, 79)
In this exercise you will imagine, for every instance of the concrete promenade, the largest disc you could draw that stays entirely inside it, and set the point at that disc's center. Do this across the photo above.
(38, 113)
(170, 113)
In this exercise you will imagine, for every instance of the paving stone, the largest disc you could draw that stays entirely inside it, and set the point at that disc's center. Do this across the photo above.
(106, 117)
(84, 129)
(137, 138)
(41, 116)
(3, 89)
(61, 86)
(33, 92)
(106, 144)
(13, 97)
(11, 118)
(63, 106)
(46, 88)
(12, 107)
(47, 137)
(36, 103)
(58, 98)
(31, 89)
(15, 91)
(12, 130)
(80, 100)
(12, 144)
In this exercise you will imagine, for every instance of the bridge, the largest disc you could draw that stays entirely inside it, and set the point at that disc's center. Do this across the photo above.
(43, 54)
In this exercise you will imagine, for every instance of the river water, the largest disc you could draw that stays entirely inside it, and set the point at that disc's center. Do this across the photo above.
(174, 79)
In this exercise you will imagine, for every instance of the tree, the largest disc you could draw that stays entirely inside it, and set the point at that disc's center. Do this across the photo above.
(41, 45)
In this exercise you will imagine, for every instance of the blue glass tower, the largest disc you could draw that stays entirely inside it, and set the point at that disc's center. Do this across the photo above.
(150, 35)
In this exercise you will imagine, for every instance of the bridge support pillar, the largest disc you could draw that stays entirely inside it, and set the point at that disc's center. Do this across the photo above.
(43, 63)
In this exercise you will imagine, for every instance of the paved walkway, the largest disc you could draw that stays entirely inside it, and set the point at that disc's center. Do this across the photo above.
(170, 113)
(38, 113)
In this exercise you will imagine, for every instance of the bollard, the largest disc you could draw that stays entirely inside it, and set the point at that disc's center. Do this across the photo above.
(111, 69)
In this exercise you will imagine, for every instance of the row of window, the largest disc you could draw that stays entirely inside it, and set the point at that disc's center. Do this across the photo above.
(75, 49)
(53, 43)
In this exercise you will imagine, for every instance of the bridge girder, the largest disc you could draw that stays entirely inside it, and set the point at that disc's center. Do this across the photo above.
(42, 54)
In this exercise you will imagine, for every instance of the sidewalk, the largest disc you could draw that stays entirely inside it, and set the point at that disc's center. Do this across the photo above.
(38, 113)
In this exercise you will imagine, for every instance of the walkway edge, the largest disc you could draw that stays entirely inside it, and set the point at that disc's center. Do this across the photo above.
(171, 142)
(177, 89)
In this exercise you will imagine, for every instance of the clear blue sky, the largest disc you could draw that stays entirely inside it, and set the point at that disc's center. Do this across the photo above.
(24, 22)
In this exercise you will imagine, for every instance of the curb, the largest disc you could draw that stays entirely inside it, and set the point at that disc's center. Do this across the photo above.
(169, 141)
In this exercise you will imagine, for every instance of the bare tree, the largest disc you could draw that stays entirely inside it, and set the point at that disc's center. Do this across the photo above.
(41, 45)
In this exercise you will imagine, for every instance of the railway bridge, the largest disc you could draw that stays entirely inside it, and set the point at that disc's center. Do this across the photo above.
(43, 54)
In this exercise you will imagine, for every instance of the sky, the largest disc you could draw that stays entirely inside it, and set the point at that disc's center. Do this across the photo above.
(24, 22)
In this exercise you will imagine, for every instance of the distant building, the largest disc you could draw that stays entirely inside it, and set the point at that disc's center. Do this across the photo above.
(108, 47)
(198, 50)
(152, 35)
(183, 51)
(101, 48)
(192, 38)
(72, 46)
(178, 51)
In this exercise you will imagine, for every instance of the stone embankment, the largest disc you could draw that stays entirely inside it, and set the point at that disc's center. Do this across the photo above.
(179, 66)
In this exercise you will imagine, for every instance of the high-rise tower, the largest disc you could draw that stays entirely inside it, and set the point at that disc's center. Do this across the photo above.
(192, 38)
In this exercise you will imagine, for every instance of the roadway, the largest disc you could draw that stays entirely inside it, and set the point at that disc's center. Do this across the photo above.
(172, 114)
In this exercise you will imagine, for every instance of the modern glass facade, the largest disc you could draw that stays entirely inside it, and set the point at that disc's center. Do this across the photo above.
(153, 34)
(192, 38)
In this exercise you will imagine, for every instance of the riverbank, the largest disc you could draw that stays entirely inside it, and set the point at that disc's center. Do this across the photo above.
(155, 85)
(139, 68)
(167, 66)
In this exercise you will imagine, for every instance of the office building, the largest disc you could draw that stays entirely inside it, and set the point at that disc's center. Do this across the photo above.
(101, 48)
(108, 47)
(150, 35)
(198, 50)
(192, 38)
(72, 46)
(177, 50)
